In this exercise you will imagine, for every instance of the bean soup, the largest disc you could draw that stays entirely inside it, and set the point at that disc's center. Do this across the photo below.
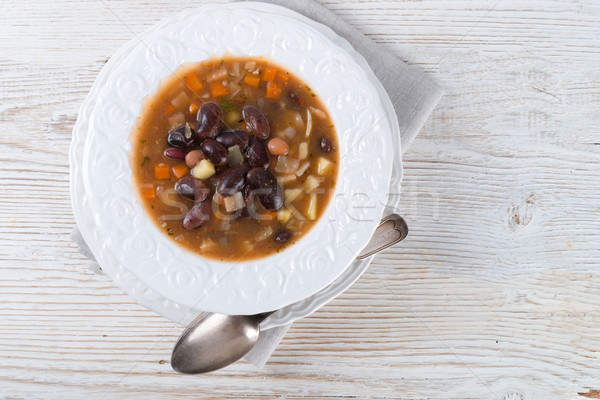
(234, 158)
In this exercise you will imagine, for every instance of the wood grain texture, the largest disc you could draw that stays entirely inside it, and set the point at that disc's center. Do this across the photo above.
(494, 295)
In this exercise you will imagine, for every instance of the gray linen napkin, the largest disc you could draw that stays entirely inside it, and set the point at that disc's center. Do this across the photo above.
(413, 94)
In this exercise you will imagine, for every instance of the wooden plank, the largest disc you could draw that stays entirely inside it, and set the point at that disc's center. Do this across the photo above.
(493, 295)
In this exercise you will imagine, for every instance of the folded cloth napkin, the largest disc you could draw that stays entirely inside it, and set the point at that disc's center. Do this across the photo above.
(413, 94)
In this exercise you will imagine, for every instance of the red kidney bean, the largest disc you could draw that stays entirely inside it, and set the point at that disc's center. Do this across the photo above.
(175, 154)
(183, 137)
(232, 138)
(215, 152)
(282, 235)
(209, 120)
(232, 180)
(257, 121)
(257, 154)
(325, 144)
(191, 188)
(265, 187)
(198, 215)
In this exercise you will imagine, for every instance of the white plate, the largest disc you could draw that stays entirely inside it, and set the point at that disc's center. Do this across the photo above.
(115, 225)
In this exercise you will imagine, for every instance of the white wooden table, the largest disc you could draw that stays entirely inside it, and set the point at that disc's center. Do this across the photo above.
(494, 295)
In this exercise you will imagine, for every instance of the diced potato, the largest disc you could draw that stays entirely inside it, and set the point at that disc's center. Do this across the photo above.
(235, 202)
(291, 194)
(303, 151)
(232, 118)
(311, 209)
(311, 183)
(323, 166)
(284, 215)
(203, 170)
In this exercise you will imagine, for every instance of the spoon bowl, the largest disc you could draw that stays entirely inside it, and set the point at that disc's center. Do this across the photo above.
(207, 334)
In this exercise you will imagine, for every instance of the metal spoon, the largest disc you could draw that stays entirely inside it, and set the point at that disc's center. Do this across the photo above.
(213, 341)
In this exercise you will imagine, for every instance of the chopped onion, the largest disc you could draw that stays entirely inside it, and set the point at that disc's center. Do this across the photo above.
(250, 65)
(235, 156)
(221, 73)
(300, 171)
(235, 69)
(319, 113)
(308, 123)
(298, 120)
(290, 132)
(265, 233)
(238, 79)
(261, 102)
(235, 202)
(286, 165)
(225, 224)
(206, 244)
(176, 120)
(281, 179)
(234, 88)
(181, 101)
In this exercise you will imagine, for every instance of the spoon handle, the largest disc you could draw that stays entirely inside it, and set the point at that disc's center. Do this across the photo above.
(390, 231)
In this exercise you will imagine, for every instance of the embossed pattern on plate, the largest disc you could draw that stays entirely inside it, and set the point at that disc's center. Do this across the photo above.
(150, 267)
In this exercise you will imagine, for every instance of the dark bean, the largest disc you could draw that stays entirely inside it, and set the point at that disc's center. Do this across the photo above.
(257, 154)
(198, 215)
(247, 192)
(265, 187)
(215, 152)
(325, 144)
(257, 121)
(294, 98)
(233, 138)
(183, 137)
(209, 120)
(233, 180)
(282, 235)
(191, 188)
(175, 154)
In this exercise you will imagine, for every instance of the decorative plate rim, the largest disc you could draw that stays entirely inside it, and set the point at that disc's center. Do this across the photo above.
(102, 250)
